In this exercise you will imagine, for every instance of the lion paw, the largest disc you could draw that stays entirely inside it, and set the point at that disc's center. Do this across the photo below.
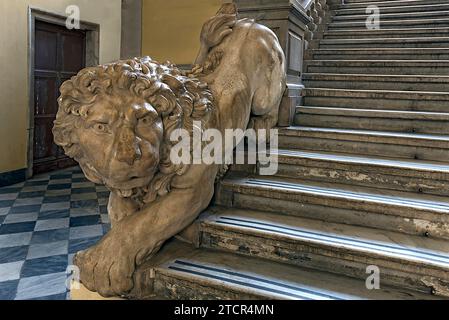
(106, 269)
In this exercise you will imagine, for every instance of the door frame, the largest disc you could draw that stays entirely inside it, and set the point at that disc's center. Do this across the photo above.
(92, 59)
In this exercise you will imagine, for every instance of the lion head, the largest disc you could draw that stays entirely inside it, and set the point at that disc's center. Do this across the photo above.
(116, 121)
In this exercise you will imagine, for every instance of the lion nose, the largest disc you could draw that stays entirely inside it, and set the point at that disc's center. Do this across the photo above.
(128, 146)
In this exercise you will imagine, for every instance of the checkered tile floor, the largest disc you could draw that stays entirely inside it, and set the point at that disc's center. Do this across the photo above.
(43, 223)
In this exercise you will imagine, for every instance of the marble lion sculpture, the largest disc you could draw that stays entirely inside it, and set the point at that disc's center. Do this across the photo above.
(116, 121)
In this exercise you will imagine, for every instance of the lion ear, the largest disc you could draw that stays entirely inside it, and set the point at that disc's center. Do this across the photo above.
(228, 8)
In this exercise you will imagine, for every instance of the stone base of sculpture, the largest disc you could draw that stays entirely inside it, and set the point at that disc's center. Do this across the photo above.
(118, 121)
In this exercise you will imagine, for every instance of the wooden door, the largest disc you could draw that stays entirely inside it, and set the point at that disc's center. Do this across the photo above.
(59, 54)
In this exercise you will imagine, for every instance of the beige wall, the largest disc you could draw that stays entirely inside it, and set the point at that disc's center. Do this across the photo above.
(171, 28)
(14, 64)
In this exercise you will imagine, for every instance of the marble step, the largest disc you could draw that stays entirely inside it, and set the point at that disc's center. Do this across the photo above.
(403, 23)
(392, 8)
(202, 274)
(385, 17)
(386, 33)
(378, 54)
(367, 2)
(404, 212)
(366, 142)
(403, 261)
(390, 67)
(422, 41)
(413, 176)
(382, 4)
(377, 82)
(377, 99)
(369, 119)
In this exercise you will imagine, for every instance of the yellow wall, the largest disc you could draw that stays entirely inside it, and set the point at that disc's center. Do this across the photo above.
(14, 64)
(171, 28)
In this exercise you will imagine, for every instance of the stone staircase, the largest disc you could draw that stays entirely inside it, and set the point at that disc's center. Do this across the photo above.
(363, 177)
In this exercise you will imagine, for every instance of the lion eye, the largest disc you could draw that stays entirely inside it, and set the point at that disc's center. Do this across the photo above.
(146, 120)
(101, 127)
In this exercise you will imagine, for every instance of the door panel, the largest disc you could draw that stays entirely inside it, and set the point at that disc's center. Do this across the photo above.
(72, 45)
(46, 50)
(59, 54)
(45, 87)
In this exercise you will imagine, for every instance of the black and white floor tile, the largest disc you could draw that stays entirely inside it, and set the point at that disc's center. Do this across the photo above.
(43, 223)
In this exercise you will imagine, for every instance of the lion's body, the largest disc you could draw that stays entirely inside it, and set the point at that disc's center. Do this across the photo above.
(245, 77)
(249, 80)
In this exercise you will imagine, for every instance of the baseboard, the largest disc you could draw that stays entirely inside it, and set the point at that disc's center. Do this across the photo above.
(12, 177)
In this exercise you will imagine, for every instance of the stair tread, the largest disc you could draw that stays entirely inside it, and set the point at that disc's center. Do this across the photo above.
(436, 204)
(396, 77)
(383, 50)
(399, 22)
(385, 3)
(374, 113)
(386, 134)
(408, 62)
(387, 30)
(376, 242)
(417, 165)
(392, 94)
(383, 40)
(235, 273)
(395, 14)
(347, 11)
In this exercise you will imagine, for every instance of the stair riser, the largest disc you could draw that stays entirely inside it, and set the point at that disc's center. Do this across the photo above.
(364, 35)
(364, 148)
(365, 176)
(391, 25)
(180, 288)
(377, 56)
(367, 69)
(377, 104)
(384, 17)
(362, 4)
(369, 123)
(397, 44)
(320, 257)
(394, 9)
(378, 85)
(384, 217)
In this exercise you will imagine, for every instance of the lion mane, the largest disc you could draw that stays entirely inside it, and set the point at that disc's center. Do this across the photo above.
(179, 99)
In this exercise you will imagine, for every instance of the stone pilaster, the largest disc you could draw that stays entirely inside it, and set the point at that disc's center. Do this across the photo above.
(289, 20)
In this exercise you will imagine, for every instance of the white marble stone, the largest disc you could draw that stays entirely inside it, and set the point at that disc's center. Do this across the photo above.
(8, 196)
(10, 271)
(28, 201)
(17, 218)
(86, 232)
(82, 212)
(55, 206)
(41, 286)
(52, 224)
(15, 240)
(48, 249)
